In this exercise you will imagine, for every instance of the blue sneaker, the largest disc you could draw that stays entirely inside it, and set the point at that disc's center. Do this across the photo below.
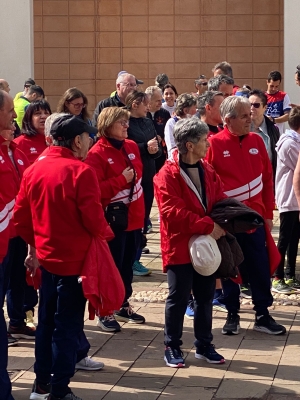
(209, 354)
(217, 306)
(174, 357)
(140, 270)
(189, 313)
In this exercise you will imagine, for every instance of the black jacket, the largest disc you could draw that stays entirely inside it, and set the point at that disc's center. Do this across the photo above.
(232, 256)
(109, 102)
(141, 130)
(159, 120)
(273, 134)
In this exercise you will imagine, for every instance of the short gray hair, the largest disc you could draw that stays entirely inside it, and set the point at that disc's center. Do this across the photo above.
(49, 121)
(228, 108)
(184, 100)
(215, 82)
(120, 78)
(206, 98)
(152, 89)
(188, 130)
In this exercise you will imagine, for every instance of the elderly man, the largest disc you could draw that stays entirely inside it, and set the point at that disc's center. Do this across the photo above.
(4, 85)
(125, 84)
(208, 105)
(58, 211)
(241, 160)
(224, 68)
(278, 102)
(221, 83)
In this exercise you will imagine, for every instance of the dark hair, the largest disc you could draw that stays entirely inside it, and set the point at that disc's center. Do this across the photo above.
(298, 72)
(294, 118)
(274, 76)
(27, 126)
(161, 80)
(207, 98)
(225, 67)
(215, 82)
(170, 86)
(135, 96)
(36, 89)
(70, 95)
(259, 93)
(29, 82)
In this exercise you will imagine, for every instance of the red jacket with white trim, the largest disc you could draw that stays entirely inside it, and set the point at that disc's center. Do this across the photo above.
(32, 146)
(109, 163)
(58, 211)
(244, 167)
(10, 178)
(182, 213)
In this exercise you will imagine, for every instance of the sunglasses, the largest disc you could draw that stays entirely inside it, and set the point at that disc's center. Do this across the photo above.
(255, 105)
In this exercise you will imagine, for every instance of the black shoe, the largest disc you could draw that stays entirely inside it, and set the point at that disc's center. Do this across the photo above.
(232, 325)
(69, 396)
(22, 332)
(174, 357)
(266, 324)
(11, 341)
(40, 391)
(126, 314)
(108, 324)
(209, 354)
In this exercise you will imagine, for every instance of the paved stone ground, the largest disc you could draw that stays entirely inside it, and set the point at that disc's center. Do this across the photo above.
(258, 366)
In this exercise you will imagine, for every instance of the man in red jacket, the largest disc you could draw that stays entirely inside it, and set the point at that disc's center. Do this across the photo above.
(58, 212)
(7, 199)
(241, 160)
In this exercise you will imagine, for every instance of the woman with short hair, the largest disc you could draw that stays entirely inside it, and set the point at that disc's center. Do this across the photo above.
(186, 188)
(118, 166)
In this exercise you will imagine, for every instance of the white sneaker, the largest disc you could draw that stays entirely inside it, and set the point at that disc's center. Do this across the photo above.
(88, 364)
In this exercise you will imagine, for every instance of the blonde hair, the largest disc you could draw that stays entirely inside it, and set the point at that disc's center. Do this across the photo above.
(108, 117)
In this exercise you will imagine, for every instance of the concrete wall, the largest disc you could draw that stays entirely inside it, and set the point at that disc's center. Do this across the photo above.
(16, 40)
(291, 47)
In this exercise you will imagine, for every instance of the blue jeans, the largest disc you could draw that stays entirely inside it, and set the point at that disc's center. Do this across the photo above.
(256, 265)
(5, 385)
(60, 341)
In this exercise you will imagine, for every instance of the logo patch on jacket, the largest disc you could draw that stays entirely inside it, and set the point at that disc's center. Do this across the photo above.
(20, 162)
(131, 156)
(226, 153)
(1, 160)
(253, 151)
(110, 160)
(33, 150)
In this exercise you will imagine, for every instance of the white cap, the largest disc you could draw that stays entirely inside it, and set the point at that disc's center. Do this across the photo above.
(205, 254)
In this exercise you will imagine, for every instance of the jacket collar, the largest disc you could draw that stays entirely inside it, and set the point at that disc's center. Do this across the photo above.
(231, 136)
(58, 151)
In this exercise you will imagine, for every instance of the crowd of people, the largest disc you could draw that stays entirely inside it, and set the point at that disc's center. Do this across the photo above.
(69, 181)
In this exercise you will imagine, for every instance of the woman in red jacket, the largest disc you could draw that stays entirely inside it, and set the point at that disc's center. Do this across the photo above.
(119, 168)
(186, 188)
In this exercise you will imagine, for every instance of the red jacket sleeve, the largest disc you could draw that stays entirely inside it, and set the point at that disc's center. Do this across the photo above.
(109, 187)
(88, 201)
(173, 208)
(22, 216)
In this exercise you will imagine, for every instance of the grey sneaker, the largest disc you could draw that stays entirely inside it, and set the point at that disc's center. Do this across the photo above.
(279, 286)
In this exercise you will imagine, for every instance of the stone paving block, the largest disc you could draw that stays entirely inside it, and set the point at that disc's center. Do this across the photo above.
(132, 332)
(283, 397)
(89, 390)
(189, 392)
(150, 368)
(22, 360)
(243, 389)
(286, 386)
(289, 372)
(198, 373)
(260, 348)
(121, 393)
(263, 366)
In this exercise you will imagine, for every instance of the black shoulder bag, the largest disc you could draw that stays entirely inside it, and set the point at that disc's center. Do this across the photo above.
(116, 213)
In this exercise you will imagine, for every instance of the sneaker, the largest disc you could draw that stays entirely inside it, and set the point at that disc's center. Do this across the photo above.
(23, 332)
(145, 250)
(266, 324)
(279, 286)
(29, 321)
(140, 270)
(88, 364)
(108, 324)
(293, 283)
(174, 357)
(245, 291)
(126, 314)
(209, 354)
(217, 306)
(149, 228)
(69, 396)
(189, 313)
(40, 391)
(11, 341)
(232, 325)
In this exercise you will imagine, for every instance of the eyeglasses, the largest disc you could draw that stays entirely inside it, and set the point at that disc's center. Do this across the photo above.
(132, 85)
(255, 105)
(27, 86)
(203, 83)
(78, 105)
(123, 122)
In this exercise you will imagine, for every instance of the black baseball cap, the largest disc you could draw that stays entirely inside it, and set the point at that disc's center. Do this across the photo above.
(69, 126)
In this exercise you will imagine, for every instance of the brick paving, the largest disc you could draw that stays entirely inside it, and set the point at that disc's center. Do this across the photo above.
(258, 366)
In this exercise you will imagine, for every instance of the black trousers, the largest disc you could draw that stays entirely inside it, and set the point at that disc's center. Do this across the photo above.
(148, 190)
(181, 280)
(289, 232)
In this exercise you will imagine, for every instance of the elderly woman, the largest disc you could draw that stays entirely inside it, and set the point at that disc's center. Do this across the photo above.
(32, 140)
(185, 108)
(118, 165)
(186, 188)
